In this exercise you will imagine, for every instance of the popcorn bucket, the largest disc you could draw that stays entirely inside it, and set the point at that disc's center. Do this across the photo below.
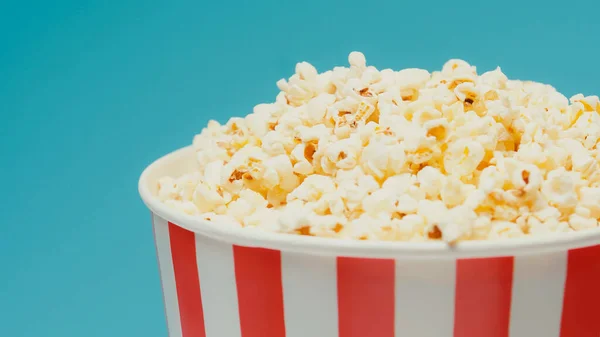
(220, 281)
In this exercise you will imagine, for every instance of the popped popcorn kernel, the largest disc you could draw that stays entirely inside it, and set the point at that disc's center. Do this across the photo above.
(409, 155)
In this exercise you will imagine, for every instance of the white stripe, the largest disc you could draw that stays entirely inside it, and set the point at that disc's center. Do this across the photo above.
(537, 295)
(425, 298)
(218, 287)
(309, 295)
(167, 275)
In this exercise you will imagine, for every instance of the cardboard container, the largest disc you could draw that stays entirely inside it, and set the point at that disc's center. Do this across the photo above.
(223, 281)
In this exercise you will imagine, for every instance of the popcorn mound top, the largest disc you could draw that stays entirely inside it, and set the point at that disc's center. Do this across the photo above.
(409, 155)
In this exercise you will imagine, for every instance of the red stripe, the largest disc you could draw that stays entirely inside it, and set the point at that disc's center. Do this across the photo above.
(260, 292)
(581, 304)
(183, 251)
(365, 297)
(483, 296)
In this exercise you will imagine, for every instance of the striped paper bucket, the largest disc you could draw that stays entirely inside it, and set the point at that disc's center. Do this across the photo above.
(228, 282)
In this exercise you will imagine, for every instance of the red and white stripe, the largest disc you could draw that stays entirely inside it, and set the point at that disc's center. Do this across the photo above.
(301, 290)
(167, 275)
(215, 289)
(425, 318)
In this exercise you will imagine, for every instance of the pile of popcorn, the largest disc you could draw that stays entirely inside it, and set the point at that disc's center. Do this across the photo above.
(409, 155)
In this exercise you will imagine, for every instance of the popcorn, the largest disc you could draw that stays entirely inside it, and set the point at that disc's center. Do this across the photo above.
(505, 229)
(454, 191)
(185, 206)
(293, 217)
(375, 159)
(410, 226)
(265, 218)
(590, 198)
(380, 201)
(463, 157)
(313, 188)
(578, 222)
(273, 143)
(559, 189)
(357, 59)
(303, 155)
(409, 155)
(167, 189)
(431, 181)
(342, 154)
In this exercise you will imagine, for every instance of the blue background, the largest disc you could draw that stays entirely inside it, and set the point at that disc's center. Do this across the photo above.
(93, 91)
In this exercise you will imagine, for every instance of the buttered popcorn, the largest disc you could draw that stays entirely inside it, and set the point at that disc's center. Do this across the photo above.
(407, 155)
